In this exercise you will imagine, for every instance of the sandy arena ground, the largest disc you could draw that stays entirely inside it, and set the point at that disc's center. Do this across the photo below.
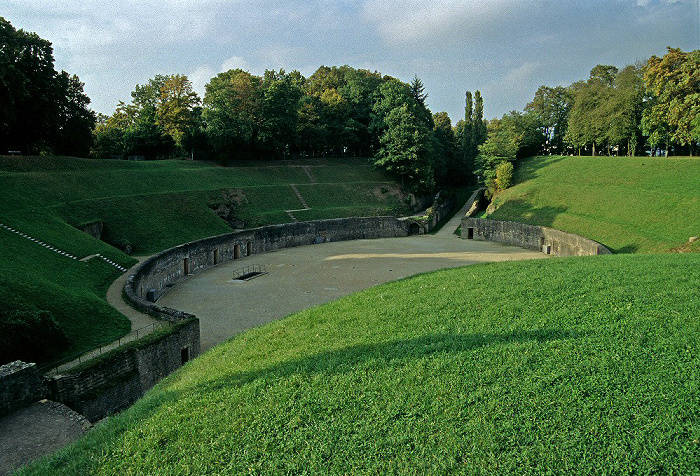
(299, 278)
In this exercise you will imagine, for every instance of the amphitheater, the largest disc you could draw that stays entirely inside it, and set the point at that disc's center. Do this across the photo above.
(302, 277)
(294, 279)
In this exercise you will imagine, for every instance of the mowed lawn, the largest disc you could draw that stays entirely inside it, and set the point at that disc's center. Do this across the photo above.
(629, 204)
(148, 206)
(562, 366)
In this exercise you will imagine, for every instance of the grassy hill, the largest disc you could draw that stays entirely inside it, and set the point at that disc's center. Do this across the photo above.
(578, 365)
(629, 204)
(581, 366)
(149, 206)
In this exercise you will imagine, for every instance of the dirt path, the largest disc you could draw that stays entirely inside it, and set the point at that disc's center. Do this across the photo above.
(37, 430)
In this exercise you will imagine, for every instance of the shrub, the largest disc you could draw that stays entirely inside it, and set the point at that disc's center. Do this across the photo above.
(30, 336)
(504, 176)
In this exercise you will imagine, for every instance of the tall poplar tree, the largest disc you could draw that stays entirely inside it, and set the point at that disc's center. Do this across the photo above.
(468, 148)
(479, 132)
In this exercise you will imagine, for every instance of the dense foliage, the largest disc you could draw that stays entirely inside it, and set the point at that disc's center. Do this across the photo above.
(649, 108)
(31, 336)
(337, 111)
(41, 110)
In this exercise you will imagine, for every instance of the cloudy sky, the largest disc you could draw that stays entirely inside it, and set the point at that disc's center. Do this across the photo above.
(505, 48)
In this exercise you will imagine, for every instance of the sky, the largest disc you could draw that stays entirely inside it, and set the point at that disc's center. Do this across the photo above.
(504, 48)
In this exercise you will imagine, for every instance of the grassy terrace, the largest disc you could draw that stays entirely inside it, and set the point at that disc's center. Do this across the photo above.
(585, 366)
(638, 204)
(150, 206)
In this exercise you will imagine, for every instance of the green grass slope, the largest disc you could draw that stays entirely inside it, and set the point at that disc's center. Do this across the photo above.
(629, 204)
(562, 366)
(150, 206)
(155, 205)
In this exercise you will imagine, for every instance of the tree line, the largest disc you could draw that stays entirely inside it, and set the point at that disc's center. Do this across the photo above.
(645, 108)
(41, 110)
(337, 111)
(648, 108)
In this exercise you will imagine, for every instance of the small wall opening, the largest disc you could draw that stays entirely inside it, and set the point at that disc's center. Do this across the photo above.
(470, 233)
(185, 355)
(216, 256)
(414, 229)
(186, 266)
(248, 248)
(541, 242)
(236, 251)
(151, 295)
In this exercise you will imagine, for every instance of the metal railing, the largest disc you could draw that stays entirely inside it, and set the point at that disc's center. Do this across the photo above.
(74, 360)
(252, 270)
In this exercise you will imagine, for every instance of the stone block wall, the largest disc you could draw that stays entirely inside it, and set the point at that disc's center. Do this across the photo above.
(157, 274)
(119, 378)
(541, 238)
(20, 385)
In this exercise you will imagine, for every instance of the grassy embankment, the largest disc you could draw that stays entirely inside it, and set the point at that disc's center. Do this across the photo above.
(151, 206)
(569, 366)
(580, 365)
(637, 204)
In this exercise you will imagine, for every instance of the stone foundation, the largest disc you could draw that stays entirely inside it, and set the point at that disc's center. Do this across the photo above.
(20, 385)
(116, 380)
(162, 271)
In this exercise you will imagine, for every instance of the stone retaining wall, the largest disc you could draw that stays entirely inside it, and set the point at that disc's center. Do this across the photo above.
(162, 271)
(541, 238)
(20, 385)
(117, 379)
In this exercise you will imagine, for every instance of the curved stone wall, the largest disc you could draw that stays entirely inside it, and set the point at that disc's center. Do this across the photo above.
(534, 237)
(162, 271)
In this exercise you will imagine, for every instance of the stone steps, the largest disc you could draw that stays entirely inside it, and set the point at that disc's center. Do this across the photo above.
(300, 197)
(59, 251)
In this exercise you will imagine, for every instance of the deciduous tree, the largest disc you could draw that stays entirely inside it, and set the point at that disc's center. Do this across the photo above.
(42, 110)
(674, 80)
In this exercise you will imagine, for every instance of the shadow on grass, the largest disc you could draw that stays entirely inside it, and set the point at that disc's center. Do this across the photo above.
(379, 355)
(521, 210)
(383, 354)
(627, 249)
(529, 169)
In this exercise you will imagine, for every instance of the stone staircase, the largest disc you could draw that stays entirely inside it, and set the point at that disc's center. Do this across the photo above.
(300, 197)
(61, 252)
